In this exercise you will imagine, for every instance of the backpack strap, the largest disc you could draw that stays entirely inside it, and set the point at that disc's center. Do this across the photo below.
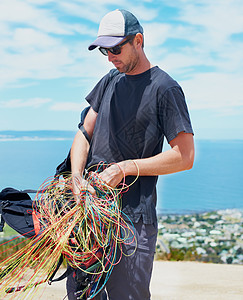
(55, 271)
(2, 222)
(68, 271)
(85, 133)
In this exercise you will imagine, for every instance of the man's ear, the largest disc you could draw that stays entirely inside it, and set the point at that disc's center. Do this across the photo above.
(138, 41)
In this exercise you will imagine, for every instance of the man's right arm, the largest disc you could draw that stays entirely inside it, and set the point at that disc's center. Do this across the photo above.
(80, 146)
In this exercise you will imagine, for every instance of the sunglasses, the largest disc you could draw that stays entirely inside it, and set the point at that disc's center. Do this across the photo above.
(114, 50)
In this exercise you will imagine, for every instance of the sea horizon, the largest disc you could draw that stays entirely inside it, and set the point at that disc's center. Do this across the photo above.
(35, 135)
(28, 158)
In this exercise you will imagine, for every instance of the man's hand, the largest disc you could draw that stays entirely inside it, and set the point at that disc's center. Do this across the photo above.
(112, 175)
(80, 184)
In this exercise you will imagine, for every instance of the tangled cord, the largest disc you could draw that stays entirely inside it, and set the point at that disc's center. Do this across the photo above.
(88, 233)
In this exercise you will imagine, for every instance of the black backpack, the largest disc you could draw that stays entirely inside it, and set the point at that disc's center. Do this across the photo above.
(16, 210)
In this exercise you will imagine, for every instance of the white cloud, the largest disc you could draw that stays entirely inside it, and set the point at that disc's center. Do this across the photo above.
(92, 12)
(141, 12)
(36, 44)
(210, 23)
(29, 50)
(18, 103)
(16, 12)
(222, 17)
(32, 54)
(29, 38)
(214, 91)
(83, 30)
(40, 2)
(209, 67)
(68, 106)
(155, 34)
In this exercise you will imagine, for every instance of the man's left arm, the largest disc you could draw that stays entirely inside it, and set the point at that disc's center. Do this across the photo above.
(179, 158)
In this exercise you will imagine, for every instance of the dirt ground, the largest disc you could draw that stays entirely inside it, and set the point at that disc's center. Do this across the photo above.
(181, 281)
(199, 281)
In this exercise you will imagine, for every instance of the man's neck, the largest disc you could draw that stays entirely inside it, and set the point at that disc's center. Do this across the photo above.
(142, 66)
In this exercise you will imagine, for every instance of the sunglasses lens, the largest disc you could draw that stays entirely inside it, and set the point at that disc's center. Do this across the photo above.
(115, 50)
(103, 51)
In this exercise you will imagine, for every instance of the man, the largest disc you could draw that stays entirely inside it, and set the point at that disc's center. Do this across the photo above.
(132, 108)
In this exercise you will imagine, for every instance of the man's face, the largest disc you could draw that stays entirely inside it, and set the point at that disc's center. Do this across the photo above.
(127, 60)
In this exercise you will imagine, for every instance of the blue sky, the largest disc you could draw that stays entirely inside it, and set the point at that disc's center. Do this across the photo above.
(46, 70)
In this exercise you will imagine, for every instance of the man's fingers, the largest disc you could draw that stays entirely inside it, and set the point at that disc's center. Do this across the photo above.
(91, 189)
(112, 175)
(80, 184)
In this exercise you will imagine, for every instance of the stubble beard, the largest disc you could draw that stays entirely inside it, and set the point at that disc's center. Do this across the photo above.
(131, 65)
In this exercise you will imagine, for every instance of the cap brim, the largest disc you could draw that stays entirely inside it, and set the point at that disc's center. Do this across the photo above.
(106, 41)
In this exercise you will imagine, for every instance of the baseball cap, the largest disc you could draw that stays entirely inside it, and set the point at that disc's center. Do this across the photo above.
(114, 27)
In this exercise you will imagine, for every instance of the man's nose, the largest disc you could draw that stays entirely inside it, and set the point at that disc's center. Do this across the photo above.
(110, 56)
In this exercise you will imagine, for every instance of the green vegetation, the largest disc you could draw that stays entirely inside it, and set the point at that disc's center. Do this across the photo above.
(9, 247)
(10, 242)
(9, 232)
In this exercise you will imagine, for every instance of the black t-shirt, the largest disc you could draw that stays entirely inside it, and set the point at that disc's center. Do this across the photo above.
(135, 112)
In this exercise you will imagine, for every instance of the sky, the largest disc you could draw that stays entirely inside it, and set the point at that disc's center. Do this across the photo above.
(46, 69)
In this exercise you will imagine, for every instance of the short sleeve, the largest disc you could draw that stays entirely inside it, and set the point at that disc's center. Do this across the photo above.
(94, 98)
(83, 115)
(173, 113)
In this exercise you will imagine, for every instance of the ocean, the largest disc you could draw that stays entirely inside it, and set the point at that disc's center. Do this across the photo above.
(214, 183)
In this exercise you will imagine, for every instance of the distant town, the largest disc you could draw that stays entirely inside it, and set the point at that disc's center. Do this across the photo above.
(215, 237)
